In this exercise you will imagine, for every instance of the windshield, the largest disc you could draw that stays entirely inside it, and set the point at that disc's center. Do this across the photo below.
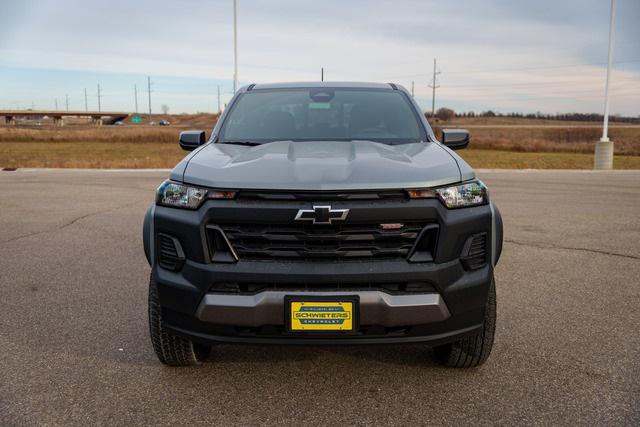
(318, 114)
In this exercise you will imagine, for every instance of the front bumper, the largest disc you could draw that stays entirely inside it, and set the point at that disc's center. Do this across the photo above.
(268, 308)
(452, 309)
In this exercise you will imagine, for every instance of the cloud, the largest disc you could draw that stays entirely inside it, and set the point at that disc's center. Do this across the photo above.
(522, 42)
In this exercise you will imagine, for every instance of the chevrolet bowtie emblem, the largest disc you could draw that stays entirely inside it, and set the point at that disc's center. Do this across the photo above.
(322, 215)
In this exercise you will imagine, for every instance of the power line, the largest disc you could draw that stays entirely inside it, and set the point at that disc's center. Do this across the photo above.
(434, 86)
(537, 67)
(546, 67)
(149, 93)
(563, 83)
(218, 99)
(547, 49)
(505, 97)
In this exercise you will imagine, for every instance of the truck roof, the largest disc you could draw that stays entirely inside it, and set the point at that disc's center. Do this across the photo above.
(294, 85)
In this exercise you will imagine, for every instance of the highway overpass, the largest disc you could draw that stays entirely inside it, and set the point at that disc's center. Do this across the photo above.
(98, 117)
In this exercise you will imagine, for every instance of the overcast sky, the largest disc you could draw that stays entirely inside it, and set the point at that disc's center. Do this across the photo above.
(505, 55)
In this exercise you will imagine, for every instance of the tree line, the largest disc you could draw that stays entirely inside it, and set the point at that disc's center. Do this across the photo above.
(445, 114)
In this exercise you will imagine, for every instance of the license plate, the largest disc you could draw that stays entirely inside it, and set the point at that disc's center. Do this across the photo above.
(322, 315)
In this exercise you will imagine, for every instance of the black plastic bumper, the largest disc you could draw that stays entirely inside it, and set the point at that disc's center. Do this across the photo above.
(184, 294)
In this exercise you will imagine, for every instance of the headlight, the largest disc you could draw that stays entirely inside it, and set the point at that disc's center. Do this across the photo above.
(461, 196)
(176, 195)
(457, 196)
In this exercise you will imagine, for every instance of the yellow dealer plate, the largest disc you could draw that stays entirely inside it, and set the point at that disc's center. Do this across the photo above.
(322, 315)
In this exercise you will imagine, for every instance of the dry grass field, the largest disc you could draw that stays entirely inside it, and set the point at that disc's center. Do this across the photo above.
(495, 143)
(550, 138)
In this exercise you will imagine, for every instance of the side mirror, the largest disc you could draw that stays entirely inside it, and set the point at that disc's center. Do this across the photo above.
(192, 139)
(456, 139)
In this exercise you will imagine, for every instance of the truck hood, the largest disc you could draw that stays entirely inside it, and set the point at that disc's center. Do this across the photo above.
(321, 165)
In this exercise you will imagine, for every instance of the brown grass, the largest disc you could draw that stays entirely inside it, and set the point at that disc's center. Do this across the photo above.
(162, 155)
(90, 134)
(130, 133)
(552, 139)
(495, 159)
(503, 142)
(89, 155)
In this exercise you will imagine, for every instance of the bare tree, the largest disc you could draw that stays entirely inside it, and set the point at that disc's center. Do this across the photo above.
(165, 109)
(445, 113)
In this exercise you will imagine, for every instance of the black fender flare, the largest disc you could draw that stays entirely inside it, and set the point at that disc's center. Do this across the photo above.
(498, 233)
(147, 233)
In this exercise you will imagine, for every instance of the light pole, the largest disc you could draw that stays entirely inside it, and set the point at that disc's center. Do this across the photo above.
(603, 158)
(235, 46)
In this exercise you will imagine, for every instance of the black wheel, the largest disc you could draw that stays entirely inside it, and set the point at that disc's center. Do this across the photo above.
(170, 349)
(473, 350)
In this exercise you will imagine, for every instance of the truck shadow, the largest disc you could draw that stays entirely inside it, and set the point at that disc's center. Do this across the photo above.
(403, 354)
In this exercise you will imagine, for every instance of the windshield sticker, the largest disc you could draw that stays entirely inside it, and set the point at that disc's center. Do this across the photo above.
(319, 106)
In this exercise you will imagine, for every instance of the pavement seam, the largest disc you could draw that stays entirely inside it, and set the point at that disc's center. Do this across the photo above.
(69, 223)
(570, 248)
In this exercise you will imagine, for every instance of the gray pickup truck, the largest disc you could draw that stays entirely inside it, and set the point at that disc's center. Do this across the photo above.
(322, 213)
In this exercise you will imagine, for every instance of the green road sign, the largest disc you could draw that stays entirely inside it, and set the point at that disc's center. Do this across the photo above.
(136, 119)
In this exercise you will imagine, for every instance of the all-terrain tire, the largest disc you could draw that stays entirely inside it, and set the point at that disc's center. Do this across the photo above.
(171, 350)
(472, 351)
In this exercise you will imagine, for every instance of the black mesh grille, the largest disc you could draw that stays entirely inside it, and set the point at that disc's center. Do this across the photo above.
(170, 255)
(475, 252)
(392, 288)
(312, 241)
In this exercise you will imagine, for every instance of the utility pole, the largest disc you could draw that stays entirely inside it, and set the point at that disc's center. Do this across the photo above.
(322, 74)
(56, 104)
(66, 101)
(99, 96)
(218, 99)
(603, 158)
(135, 94)
(412, 84)
(86, 104)
(149, 92)
(434, 86)
(235, 46)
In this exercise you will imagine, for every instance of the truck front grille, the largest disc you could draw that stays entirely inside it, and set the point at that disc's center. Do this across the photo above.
(309, 241)
(254, 288)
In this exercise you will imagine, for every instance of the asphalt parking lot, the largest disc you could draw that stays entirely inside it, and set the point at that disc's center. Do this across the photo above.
(75, 346)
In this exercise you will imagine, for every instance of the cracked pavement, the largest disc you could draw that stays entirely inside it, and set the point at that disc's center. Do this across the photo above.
(73, 289)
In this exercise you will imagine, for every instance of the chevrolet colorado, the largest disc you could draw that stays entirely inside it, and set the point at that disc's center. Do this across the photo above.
(322, 213)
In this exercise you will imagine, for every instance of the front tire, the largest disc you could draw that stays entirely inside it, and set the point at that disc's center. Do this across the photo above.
(473, 350)
(171, 350)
